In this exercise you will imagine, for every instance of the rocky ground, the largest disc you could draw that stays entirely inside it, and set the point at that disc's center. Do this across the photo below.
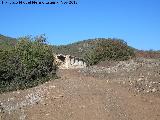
(109, 91)
(141, 75)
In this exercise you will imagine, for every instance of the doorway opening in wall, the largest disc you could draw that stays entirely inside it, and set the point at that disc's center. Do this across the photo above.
(62, 58)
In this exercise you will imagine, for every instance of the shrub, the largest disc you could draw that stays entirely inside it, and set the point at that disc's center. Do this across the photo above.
(108, 49)
(26, 65)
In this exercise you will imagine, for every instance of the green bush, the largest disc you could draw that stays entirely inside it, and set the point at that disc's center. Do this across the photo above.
(108, 49)
(29, 63)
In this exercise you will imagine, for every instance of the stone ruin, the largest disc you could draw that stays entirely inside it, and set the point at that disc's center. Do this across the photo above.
(69, 62)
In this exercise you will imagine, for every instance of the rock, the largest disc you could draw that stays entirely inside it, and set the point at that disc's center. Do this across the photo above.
(47, 114)
(154, 90)
(123, 82)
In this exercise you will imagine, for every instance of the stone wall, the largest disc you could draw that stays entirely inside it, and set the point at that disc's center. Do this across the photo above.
(69, 62)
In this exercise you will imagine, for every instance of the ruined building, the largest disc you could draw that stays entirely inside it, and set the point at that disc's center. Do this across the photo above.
(69, 62)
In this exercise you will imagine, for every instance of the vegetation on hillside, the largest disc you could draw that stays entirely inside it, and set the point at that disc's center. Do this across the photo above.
(76, 49)
(148, 54)
(27, 64)
(7, 42)
(109, 49)
(96, 50)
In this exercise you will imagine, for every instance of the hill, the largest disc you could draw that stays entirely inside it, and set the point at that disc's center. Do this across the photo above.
(95, 50)
(75, 49)
(81, 47)
(6, 42)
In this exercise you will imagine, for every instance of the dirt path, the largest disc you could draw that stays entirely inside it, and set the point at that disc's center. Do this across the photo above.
(78, 97)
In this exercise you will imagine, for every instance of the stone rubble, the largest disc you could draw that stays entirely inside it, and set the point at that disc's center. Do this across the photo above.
(34, 96)
(142, 75)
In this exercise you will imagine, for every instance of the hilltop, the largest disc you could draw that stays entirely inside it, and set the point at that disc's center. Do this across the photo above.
(79, 48)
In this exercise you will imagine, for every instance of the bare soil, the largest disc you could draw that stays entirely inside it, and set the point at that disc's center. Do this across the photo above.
(76, 96)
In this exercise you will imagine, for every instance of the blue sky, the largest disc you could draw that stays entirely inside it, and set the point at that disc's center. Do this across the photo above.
(135, 21)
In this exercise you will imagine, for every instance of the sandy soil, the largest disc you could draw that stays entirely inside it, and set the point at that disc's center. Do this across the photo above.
(78, 97)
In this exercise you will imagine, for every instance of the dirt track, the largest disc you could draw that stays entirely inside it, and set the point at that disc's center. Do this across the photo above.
(78, 97)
